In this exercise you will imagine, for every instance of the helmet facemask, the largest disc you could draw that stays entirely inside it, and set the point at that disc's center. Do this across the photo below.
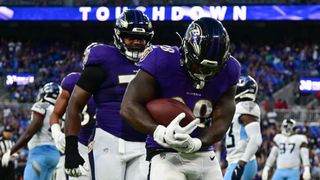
(288, 127)
(247, 89)
(128, 25)
(134, 51)
(49, 93)
(205, 49)
(202, 71)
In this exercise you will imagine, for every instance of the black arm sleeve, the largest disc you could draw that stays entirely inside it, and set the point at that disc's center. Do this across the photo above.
(91, 78)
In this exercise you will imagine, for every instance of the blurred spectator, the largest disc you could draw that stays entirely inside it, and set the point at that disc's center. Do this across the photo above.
(278, 104)
(6, 142)
(266, 105)
(284, 104)
(47, 61)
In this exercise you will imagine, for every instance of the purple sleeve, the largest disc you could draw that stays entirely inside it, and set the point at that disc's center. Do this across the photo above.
(70, 81)
(149, 63)
(234, 71)
(95, 55)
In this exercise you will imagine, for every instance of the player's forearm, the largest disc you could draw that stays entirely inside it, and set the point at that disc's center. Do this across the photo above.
(22, 141)
(250, 151)
(60, 107)
(255, 140)
(73, 119)
(138, 117)
(54, 118)
(304, 153)
(212, 135)
(222, 118)
(272, 157)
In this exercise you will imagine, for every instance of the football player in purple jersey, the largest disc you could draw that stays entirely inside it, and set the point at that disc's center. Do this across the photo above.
(203, 75)
(118, 149)
(87, 124)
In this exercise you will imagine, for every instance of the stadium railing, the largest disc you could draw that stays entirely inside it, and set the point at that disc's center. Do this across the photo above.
(301, 115)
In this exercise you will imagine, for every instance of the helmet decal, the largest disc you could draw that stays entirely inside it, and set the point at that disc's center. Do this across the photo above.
(205, 49)
(196, 37)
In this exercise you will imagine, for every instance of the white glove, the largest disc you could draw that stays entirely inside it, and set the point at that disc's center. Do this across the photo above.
(306, 173)
(185, 143)
(58, 137)
(174, 127)
(163, 134)
(158, 136)
(77, 172)
(6, 158)
(265, 173)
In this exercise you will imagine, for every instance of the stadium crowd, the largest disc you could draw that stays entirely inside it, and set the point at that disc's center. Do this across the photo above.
(272, 66)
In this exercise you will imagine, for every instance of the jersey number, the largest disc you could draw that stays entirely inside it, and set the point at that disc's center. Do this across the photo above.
(125, 79)
(231, 137)
(285, 147)
(202, 108)
(167, 48)
(85, 116)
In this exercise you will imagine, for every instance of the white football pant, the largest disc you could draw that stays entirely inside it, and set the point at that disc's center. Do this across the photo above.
(117, 159)
(180, 166)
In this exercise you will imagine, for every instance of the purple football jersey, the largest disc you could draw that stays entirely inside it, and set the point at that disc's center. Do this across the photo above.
(88, 121)
(164, 63)
(119, 72)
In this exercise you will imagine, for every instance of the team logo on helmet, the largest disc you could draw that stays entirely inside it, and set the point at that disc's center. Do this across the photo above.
(123, 23)
(241, 82)
(195, 37)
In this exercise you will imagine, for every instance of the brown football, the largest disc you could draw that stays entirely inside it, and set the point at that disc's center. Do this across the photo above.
(163, 111)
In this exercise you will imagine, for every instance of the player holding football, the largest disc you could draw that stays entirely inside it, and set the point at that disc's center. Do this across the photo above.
(244, 137)
(87, 124)
(287, 150)
(203, 75)
(119, 150)
(43, 155)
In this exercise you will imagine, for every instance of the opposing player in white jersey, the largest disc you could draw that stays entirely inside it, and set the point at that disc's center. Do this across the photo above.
(244, 137)
(43, 155)
(289, 148)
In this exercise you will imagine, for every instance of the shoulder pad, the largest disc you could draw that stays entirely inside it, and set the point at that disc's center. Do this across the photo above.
(248, 107)
(146, 52)
(234, 69)
(277, 138)
(301, 138)
(69, 81)
(39, 107)
(97, 54)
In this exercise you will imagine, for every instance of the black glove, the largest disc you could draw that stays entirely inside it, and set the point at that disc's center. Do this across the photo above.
(237, 172)
(73, 158)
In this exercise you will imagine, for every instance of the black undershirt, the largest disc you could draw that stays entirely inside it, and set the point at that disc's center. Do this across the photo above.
(91, 78)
